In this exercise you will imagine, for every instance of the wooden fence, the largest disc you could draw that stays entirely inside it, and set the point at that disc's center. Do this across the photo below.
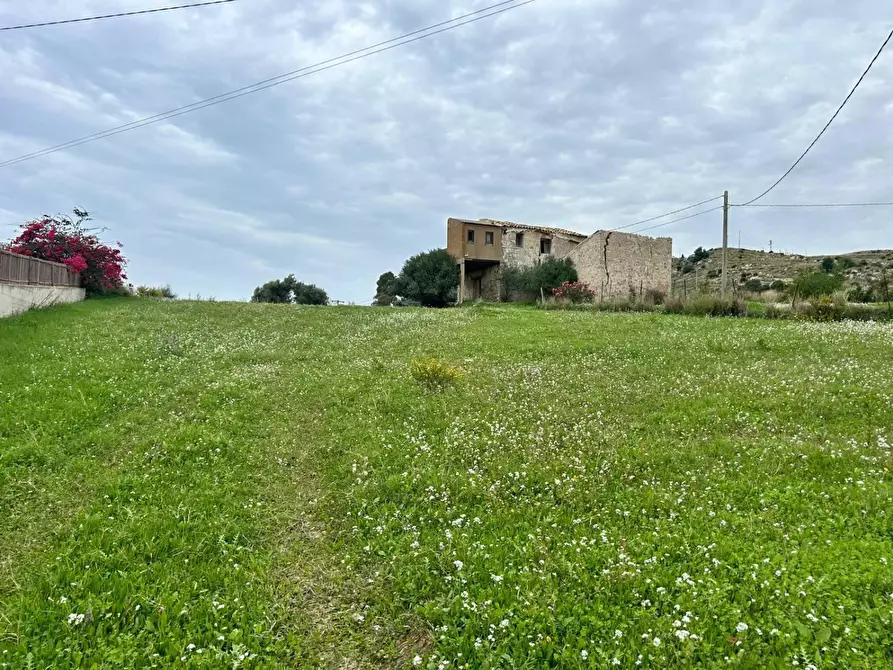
(18, 269)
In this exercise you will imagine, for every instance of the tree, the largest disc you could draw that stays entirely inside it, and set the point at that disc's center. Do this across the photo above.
(543, 276)
(828, 265)
(385, 290)
(815, 284)
(754, 285)
(699, 254)
(290, 290)
(431, 278)
(309, 294)
(62, 239)
(276, 291)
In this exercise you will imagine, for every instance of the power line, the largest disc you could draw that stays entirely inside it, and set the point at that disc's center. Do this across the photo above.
(827, 125)
(828, 204)
(118, 15)
(328, 64)
(690, 216)
(675, 211)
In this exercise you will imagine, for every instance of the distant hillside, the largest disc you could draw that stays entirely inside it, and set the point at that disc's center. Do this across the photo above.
(858, 268)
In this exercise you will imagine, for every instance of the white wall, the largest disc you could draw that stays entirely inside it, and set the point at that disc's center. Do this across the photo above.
(16, 298)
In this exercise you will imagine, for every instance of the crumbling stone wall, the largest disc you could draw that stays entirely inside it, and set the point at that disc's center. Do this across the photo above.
(491, 284)
(529, 252)
(617, 265)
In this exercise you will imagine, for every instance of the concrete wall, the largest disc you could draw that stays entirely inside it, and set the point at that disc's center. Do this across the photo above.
(455, 243)
(16, 298)
(617, 265)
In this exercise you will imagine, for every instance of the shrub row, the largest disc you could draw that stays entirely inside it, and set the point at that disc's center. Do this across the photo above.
(823, 308)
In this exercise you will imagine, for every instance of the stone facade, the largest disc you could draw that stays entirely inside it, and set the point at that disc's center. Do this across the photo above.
(619, 265)
(522, 247)
(615, 265)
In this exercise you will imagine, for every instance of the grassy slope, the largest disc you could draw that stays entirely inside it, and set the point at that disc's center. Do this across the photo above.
(267, 484)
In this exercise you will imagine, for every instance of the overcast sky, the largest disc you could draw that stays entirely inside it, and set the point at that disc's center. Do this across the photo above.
(584, 114)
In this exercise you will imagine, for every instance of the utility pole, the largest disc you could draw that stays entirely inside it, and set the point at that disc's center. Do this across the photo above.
(725, 243)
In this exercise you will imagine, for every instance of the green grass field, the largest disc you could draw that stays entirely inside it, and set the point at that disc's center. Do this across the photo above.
(217, 485)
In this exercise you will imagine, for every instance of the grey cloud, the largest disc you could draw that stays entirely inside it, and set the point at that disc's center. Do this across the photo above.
(588, 114)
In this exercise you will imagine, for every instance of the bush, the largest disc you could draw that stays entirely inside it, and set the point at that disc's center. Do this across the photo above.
(773, 311)
(821, 308)
(815, 284)
(156, 292)
(290, 291)
(754, 285)
(63, 240)
(434, 375)
(430, 278)
(863, 313)
(674, 305)
(778, 285)
(655, 296)
(860, 294)
(545, 276)
(827, 265)
(574, 291)
(709, 305)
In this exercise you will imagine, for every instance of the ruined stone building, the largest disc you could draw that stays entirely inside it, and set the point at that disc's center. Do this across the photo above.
(614, 264)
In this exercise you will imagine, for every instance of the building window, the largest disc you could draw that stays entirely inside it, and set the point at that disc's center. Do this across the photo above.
(519, 239)
(471, 237)
(545, 246)
(488, 238)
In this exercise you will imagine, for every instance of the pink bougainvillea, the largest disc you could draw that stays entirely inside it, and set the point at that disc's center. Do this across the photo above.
(76, 263)
(574, 291)
(63, 240)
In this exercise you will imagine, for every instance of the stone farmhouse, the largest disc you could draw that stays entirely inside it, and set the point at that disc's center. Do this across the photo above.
(616, 265)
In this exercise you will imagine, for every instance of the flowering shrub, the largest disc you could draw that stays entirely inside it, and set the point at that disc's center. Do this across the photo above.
(434, 375)
(63, 240)
(574, 291)
(156, 292)
(822, 308)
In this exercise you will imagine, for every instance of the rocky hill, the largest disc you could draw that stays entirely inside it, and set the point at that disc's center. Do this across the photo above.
(860, 268)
